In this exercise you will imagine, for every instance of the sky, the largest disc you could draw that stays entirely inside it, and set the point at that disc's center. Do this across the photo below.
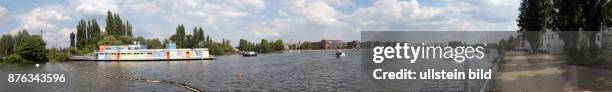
(289, 20)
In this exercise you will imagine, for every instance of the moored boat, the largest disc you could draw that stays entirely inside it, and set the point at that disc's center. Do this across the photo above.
(137, 52)
(249, 54)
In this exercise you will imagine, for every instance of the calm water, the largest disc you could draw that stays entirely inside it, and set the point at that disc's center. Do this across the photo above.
(288, 71)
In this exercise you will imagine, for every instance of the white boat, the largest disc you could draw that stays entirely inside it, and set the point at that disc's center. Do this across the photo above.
(249, 54)
(139, 52)
(339, 53)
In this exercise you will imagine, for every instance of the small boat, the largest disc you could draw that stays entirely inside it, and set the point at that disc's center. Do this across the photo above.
(339, 53)
(249, 54)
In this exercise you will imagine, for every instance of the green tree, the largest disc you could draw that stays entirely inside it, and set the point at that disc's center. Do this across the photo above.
(594, 15)
(266, 46)
(116, 27)
(200, 34)
(110, 40)
(110, 24)
(179, 37)
(94, 32)
(56, 55)
(8, 42)
(88, 33)
(189, 41)
(279, 45)
(32, 49)
(128, 28)
(81, 36)
(154, 44)
(534, 15)
(306, 45)
(119, 26)
(243, 45)
(21, 36)
(226, 46)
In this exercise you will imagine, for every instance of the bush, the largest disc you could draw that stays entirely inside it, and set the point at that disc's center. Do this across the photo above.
(58, 56)
(606, 57)
(13, 58)
(32, 49)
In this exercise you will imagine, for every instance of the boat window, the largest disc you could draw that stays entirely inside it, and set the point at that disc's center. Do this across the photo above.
(150, 53)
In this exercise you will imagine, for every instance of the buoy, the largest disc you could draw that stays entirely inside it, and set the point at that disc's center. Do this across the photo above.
(239, 76)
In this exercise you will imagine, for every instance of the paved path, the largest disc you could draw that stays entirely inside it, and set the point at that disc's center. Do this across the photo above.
(521, 72)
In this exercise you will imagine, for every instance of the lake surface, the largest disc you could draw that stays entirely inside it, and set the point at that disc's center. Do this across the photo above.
(287, 71)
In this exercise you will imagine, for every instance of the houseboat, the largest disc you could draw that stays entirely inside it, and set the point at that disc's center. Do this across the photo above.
(138, 52)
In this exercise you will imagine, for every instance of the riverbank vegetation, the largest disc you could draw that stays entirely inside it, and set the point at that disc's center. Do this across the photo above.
(199, 40)
(119, 32)
(89, 34)
(264, 46)
(26, 48)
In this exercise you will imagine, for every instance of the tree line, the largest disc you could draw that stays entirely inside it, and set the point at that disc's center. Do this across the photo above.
(89, 34)
(199, 40)
(26, 48)
(575, 17)
(264, 46)
(89, 37)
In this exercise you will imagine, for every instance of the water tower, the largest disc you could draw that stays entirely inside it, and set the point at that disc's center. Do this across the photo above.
(72, 41)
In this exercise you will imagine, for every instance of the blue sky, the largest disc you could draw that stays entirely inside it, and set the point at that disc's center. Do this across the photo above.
(290, 20)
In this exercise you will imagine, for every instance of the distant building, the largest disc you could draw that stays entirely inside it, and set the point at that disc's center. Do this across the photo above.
(332, 44)
(72, 40)
(604, 39)
(353, 44)
(551, 42)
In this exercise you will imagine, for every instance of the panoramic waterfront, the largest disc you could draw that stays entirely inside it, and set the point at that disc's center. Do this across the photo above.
(287, 71)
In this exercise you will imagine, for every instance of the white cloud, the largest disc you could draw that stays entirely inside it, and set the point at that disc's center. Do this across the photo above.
(58, 37)
(2, 10)
(45, 19)
(204, 13)
(140, 6)
(256, 5)
(316, 19)
(304, 20)
(398, 11)
(98, 7)
(3, 14)
(339, 3)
